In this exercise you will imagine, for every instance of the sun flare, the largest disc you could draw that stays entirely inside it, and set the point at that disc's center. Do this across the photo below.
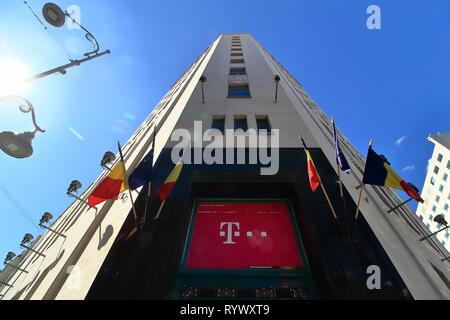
(12, 77)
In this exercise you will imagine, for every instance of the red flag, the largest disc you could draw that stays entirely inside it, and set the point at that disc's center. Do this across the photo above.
(111, 186)
(314, 180)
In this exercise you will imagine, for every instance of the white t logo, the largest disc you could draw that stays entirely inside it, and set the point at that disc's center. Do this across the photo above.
(229, 233)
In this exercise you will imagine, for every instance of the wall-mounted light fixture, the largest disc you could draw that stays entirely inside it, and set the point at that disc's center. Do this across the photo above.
(27, 238)
(276, 79)
(108, 158)
(439, 219)
(46, 218)
(202, 81)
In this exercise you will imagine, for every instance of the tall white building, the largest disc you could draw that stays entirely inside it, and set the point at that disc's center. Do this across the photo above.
(229, 230)
(436, 188)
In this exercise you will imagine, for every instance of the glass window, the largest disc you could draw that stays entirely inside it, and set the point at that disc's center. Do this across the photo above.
(239, 91)
(430, 217)
(445, 177)
(440, 157)
(436, 170)
(438, 198)
(236, 54)
(432, 181)
(433, 209)
(237, 61)
(262, 123)
(218, 123)
(446, 207)
(441, 188)
(421, 218)
(238, 71)
(240, 122)
(448, 164)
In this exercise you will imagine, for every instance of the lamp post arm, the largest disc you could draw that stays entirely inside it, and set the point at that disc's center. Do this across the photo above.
(89, 36)
(62, 69)
(29, 107)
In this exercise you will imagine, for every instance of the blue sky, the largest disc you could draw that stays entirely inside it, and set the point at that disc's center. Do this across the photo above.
(384, 84)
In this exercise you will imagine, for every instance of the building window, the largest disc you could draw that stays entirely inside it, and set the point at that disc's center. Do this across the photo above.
(236, 54)
(447, 235)
(237, 61)
(446, 207)
(236, 49)
(438, 198)
(240, 122)
(218, 123)
(432, 181)
(436, 169)
(441, 188)
(421, 218)
(430, 217)
(262, 123)
(238, 91)
(448, 165)
(433, 209)
(440, 157)
(238, 71)
(428, 225)
(445, 177)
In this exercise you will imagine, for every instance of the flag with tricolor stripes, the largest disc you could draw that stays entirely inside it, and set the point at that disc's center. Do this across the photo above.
(379, 172)
(110, 187)
(313, 175)
(165, 189)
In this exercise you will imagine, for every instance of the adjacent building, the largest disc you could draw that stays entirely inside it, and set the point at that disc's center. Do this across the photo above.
(242, 221)
(436, 188)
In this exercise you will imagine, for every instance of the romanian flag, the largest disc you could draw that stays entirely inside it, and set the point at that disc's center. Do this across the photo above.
(165, 189)
(314, 180)
(378, 172)
(109, 188)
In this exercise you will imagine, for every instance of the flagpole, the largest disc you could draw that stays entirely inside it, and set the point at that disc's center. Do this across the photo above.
(159, 211)
(322, 186)
(129, 191)
(362, 189)
(164, 202)
(337, 162)
(150, 183)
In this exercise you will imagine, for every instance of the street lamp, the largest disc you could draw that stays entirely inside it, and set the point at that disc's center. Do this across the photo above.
(56, 17)
(19, 145)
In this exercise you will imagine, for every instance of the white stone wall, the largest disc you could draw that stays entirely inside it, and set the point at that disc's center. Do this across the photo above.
(91, 233)
(431, 207)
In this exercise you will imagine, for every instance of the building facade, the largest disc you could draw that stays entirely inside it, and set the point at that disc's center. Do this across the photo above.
(436, 188)
(242, 221)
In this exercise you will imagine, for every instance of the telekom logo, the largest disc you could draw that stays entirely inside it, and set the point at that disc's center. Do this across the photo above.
(230, 229)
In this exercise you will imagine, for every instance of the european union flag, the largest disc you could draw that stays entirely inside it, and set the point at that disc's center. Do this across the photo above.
(340, 157)
(143, 172)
